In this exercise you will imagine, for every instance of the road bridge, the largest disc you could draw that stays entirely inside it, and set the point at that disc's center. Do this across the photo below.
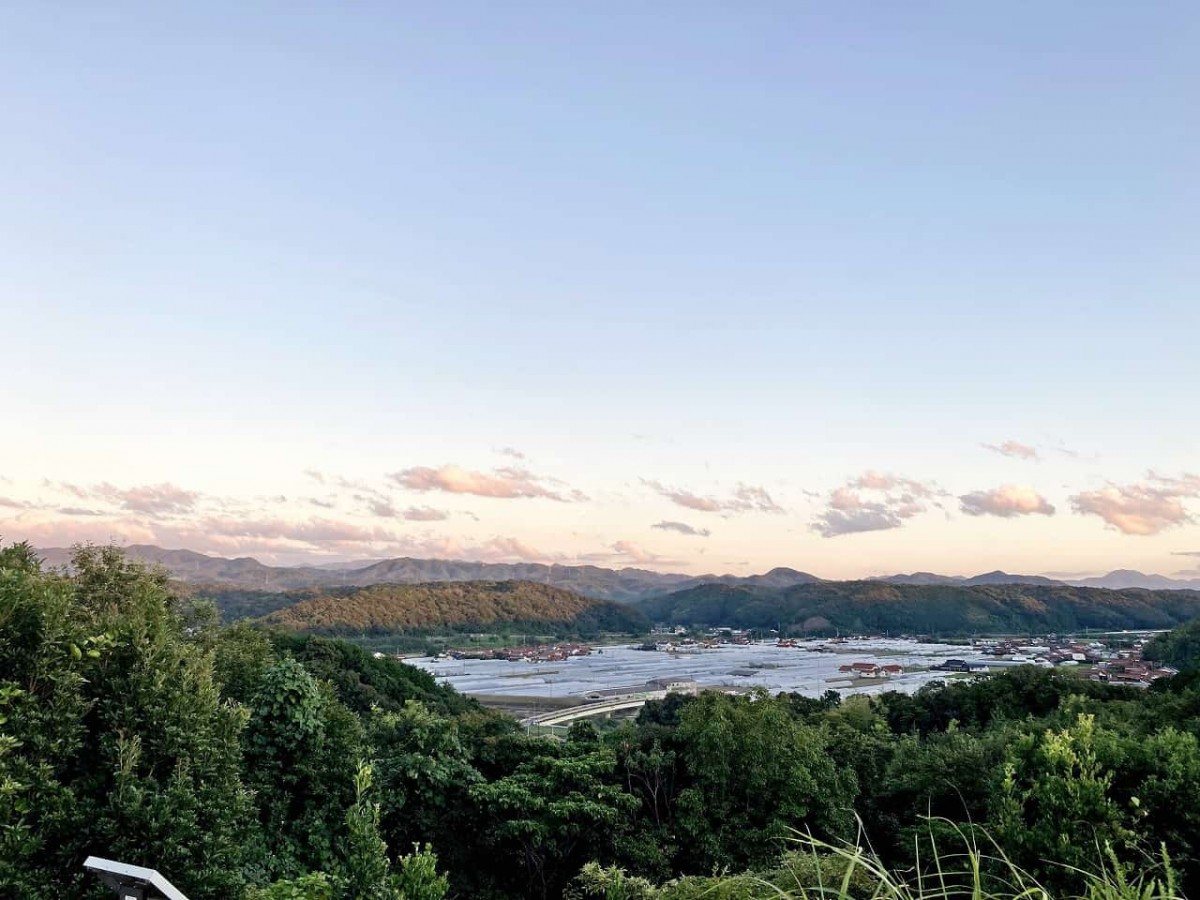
(595, 708)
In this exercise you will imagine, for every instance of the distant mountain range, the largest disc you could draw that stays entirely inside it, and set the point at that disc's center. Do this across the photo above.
(928, 578)
(625, 585)
(590, 581)
(1117, 580)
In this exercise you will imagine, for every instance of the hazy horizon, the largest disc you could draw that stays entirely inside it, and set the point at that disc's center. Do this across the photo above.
(856, 290)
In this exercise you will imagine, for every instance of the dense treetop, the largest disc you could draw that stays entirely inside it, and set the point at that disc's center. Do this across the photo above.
(388, 608)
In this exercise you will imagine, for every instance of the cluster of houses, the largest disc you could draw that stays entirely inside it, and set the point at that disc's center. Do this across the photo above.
(1100, 662)
(691, 645)
(872, 670)
(1130, 673)
(1052, 650)
(539, 653)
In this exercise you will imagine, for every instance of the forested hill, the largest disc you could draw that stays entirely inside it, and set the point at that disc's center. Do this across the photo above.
(416, 608)
(875, 606)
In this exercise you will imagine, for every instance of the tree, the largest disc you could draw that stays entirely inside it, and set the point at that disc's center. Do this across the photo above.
(754, 773)
(115, 739)
(1054, 801)
(1179, 648)
(558, 809)
(423, 777)
(300, 750)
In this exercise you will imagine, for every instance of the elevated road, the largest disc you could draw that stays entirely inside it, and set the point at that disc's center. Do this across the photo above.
(596, 708)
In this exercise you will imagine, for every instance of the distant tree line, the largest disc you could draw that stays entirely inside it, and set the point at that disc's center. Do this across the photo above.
(877, 607)
(428, 609)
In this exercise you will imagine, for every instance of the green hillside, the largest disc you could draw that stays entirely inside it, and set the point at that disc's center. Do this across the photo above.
(1179, 648)
(948, 609)
(454, 606)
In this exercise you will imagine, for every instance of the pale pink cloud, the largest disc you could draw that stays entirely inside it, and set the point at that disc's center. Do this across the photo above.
(750, 498)
(625, 552)
(327, 479)
(67, 487)
(1015, 449)
(271, 540)
(1144, 508)
(844, 498)
(505, 483)
(866, 516)
(424, 514)
(160, 499)
(746, 498)
(686, 499)
(682, 528)
(506, 548)
(495, 549)
(311, 531)
(1006, 501)
(634, 552)
(385, 509)
(874, 501)
(874, 480)
(43, 532)
(150, 499)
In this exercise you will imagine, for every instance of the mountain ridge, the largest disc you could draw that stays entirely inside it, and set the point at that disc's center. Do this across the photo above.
(629, 584)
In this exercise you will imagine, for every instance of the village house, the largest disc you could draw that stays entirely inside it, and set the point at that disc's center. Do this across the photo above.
(861, 669)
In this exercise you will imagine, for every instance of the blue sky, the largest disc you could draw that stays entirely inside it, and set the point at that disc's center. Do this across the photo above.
(661, 252)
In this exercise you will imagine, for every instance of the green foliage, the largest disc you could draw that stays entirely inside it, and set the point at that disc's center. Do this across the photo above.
(872, 606)
(417, 877)
(315, 886)
(423, 774)
(363, 870)
(1055, 798)
(459, 606)
(1179, 648)
(115, 737)
(754, 774)
(364, 860)
(300, 746)
(664, 712)
(559, 808)
(596, 882)
(363, 682)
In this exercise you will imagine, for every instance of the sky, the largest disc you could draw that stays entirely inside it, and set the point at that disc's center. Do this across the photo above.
(856, 288)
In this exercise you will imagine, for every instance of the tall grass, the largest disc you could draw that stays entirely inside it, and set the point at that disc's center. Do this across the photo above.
(975, 867)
